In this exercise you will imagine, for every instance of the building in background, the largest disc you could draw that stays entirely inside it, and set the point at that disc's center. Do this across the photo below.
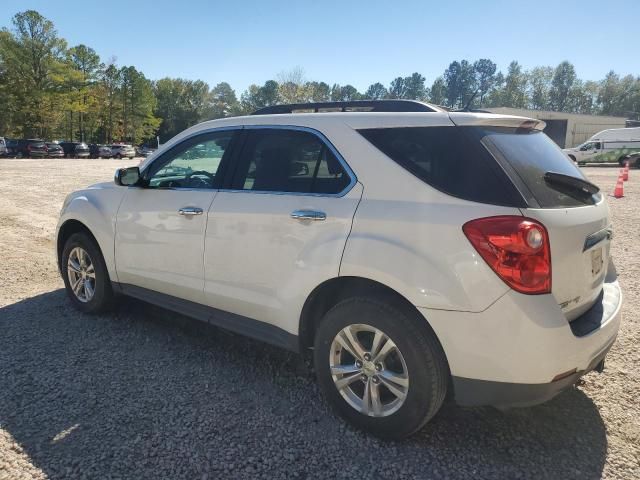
(566, 129)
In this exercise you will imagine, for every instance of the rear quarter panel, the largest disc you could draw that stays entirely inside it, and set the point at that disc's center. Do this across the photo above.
(408, 235)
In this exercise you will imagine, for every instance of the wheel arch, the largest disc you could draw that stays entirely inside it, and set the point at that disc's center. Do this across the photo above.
(332, 291)
(67, 229)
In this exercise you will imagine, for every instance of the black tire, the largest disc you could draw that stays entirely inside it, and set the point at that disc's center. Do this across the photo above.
(102, 299)
(427, 368)
(118, 156)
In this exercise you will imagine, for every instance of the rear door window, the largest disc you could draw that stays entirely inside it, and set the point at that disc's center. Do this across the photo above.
(289, 161)
(448, 160)
(531, 154)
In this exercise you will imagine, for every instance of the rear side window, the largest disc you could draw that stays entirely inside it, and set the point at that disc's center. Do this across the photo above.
(531, 154)
(279, 160)
(448, 160)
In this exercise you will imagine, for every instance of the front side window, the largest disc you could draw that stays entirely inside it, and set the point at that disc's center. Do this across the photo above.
(192, 164)
(280, 160)
(588, 146)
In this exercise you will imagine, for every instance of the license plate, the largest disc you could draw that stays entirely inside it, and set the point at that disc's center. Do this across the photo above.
(596, 261)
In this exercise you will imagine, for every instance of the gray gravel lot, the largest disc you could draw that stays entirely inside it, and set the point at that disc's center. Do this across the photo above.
(142, 393)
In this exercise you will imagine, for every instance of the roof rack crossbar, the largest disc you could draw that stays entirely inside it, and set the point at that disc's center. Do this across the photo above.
(355, 105)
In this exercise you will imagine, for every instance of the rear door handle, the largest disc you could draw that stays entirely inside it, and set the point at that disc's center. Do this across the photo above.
(308, 215)
(190, 211)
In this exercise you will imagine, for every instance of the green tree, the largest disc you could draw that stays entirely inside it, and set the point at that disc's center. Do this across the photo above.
(564, 77)
(224, 102)
(256, 97)
(397, 88)
(31, 55)
(318, 91)
(513, 92)
(414, 87)
(539, 87)
(376, 91)
(438, 91)
(87, 62)
(138, 103)
(485, 71)
(461, 84)
(180, 104)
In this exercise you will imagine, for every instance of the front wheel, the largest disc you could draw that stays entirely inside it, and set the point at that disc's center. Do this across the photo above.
(379, 368)
(85, 274)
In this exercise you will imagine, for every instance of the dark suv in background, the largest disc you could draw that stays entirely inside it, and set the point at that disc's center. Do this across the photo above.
(28, 148)
(75, 149)
(54, 150)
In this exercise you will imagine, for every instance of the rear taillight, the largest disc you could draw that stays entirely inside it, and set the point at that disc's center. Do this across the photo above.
(516, 248)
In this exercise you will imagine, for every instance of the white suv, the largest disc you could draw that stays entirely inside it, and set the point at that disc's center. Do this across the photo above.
(414, 251)
(119, 150)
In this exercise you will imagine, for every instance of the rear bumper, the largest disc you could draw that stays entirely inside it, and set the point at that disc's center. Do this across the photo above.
(470, 392)
(510, 354)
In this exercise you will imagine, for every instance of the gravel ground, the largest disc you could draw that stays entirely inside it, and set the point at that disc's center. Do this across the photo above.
(141, 393)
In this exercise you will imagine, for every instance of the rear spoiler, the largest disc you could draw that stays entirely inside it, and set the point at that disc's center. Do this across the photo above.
(464, 119)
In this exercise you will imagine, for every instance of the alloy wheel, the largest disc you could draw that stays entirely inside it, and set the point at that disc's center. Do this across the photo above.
(82, 274)
(369, 370)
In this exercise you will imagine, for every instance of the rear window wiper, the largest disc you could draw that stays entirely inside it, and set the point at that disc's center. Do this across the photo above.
(576, 184)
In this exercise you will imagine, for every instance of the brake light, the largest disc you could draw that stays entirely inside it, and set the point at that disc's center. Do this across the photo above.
(516, 248)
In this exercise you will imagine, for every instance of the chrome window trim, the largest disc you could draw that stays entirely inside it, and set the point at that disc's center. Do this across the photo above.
(352, 176)
(325, 141)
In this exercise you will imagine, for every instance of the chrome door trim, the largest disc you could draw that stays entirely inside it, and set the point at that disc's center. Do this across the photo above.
(314, 215)
(190, 211)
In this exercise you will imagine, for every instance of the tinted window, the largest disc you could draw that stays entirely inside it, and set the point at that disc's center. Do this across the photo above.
(289, 161)
(449, 160)
(531, 154)
(192, 164)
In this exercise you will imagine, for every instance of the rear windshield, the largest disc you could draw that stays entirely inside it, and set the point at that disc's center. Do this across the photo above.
(531, 154)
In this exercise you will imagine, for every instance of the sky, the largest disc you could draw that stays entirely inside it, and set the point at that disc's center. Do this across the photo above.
(346, 42)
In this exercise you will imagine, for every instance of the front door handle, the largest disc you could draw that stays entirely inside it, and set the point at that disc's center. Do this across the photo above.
(190, 211)
(308, 215)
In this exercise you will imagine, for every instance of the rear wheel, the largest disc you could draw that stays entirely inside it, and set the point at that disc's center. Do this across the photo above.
(379, 368)
(85, 274)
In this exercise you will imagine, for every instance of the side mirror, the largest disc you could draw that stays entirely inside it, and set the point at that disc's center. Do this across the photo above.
(127, 177)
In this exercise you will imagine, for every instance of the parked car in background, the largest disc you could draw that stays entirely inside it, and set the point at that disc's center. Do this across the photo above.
(411, 251)
(75, 149)
(145, 151)
(121, 150)
(100, 151)
(3, 147)
(54, 150)
(12, 146)
(30, 148)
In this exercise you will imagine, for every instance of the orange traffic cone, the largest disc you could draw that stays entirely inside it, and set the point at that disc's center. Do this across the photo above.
(625, 172)
(618, 192)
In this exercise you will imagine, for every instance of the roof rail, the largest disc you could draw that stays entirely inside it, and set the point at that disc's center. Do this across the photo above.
(352, 106)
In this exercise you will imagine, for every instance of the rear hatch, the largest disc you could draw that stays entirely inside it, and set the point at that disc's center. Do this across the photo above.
(82, 148)
(35, 147)
(559, 196)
